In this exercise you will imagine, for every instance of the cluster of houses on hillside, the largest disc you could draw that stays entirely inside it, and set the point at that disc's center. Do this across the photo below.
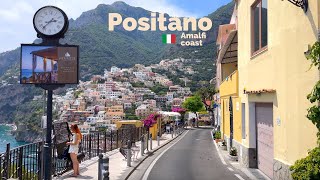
(111, 97)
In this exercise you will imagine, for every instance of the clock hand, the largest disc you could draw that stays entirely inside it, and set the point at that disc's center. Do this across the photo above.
(48, 22)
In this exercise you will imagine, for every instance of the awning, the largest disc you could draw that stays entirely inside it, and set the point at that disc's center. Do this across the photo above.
(169, 113)
(49, 53)
(229, 51)
(170, 116)
(259, 91)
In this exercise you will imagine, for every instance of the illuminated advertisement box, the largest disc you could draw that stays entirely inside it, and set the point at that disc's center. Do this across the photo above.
(42, 64)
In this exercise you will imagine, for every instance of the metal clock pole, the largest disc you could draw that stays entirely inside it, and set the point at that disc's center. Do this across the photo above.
(47, 148)
(59, 24)
(47, 145)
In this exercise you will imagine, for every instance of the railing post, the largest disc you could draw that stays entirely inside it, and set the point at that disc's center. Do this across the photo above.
(98, 145)
(142, 145)
(171, 134)
(158, 138)
(103, 167)
(89, 146)
(150, 136)
(20, 163)
(117, 138)
(7, 160)
(111, 138)
(121, 137)
(40, 165)
(147, 139)
(129, 154)
(105, 142)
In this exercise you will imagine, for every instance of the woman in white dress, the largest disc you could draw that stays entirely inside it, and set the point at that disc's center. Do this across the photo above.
(74, 148)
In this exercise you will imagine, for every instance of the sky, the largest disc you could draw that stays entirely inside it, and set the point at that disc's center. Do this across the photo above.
(16, 15)
(27, 58)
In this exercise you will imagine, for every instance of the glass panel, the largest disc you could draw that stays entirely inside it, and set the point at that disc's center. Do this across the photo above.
(264, 23)
(256, 39)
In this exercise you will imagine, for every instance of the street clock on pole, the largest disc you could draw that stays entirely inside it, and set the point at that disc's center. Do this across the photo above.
(50, 22)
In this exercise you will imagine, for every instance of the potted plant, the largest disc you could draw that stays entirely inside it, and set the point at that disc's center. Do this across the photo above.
(233, 154)
(223, 145)
(217, 136)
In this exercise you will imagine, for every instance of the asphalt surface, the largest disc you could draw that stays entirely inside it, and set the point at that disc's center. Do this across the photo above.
(191, 157)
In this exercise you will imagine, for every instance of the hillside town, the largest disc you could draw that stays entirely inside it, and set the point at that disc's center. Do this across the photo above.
(121, 94)
(123, 103)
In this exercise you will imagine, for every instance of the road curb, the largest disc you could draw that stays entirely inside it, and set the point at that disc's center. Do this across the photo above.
(218, 150)
(149, 154)
(244, 170)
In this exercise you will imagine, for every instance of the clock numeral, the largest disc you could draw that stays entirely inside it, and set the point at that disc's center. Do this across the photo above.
(51, 12)
(59, 17)
(58, 26)
(39, 21)
(45, 12)
(60, 22)
(49, 31)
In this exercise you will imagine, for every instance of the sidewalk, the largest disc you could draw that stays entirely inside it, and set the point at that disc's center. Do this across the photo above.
(252, 173)
(117, 164)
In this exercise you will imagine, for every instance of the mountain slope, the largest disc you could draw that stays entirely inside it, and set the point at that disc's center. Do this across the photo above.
(100, 49)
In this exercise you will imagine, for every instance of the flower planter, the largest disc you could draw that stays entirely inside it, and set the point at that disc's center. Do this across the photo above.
(217, 140)
(233, 158)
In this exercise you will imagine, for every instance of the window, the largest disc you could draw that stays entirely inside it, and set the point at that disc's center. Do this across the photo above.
(243, 124)
(259, 26)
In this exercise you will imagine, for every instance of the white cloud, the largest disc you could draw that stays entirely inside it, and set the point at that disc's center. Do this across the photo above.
(16, 15)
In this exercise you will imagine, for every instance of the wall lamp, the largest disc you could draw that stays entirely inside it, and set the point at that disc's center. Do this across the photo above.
(301, 3)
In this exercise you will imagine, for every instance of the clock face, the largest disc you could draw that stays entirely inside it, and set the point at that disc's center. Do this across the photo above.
(49, 21)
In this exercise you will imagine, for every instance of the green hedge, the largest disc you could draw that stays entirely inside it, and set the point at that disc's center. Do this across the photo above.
(307, 168)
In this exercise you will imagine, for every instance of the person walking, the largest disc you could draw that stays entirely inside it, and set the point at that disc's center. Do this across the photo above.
(193, 122)
(74, 148)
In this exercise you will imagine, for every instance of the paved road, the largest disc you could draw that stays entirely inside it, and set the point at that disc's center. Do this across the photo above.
(194, 157)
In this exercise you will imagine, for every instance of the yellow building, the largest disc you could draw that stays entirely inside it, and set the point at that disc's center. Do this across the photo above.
(274, 80)
(136, 123)
(115, 113)
(228, 83)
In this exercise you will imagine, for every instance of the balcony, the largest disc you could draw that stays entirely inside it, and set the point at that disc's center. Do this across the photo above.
(230, 86)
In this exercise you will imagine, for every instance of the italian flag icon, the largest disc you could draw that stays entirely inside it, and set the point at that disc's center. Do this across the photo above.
(169, 38)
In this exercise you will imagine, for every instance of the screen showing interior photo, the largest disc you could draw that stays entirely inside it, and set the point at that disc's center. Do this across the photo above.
(49, 64)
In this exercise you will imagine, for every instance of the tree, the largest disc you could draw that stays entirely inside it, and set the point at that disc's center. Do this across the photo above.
(206, 94)
(193, 104)
(309, 167)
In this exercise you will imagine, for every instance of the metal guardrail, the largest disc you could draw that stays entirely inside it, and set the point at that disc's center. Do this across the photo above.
(25, 162)
(22, 162)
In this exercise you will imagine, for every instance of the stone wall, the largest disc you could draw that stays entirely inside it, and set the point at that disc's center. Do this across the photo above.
(247, 157)
(281, 171)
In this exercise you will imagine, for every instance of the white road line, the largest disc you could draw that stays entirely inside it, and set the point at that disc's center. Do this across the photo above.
(146, 174)
(221, 158)
(230, 169)
(239, 177)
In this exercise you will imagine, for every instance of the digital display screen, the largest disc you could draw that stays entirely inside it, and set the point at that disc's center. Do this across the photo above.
(49, 64)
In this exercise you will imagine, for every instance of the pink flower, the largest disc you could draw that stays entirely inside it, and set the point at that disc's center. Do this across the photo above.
(150, 120)
(178, 109)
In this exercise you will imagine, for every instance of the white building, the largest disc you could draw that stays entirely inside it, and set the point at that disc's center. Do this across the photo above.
(115, 69)
(113, 94)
